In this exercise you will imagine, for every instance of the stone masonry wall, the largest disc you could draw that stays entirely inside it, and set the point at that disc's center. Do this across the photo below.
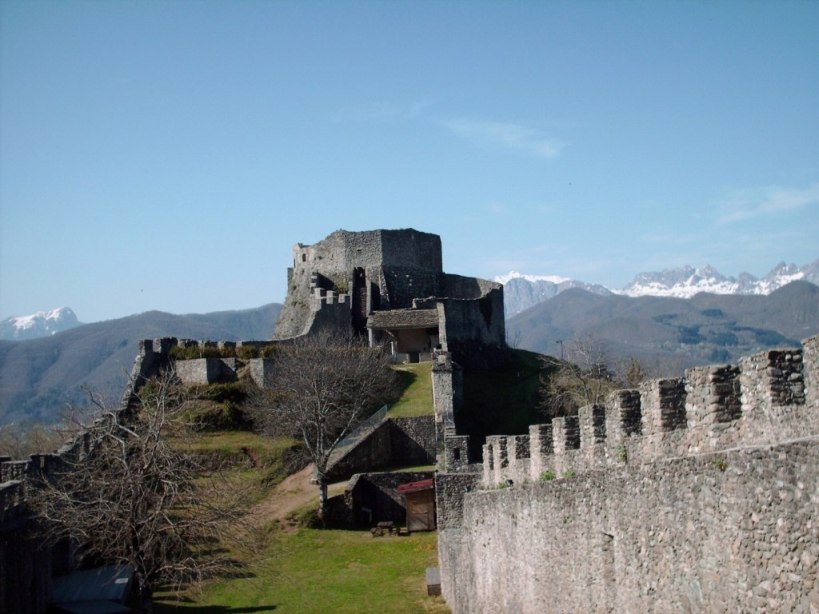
(695, 495)
(734, 531)
(403, 264)
(203, 371)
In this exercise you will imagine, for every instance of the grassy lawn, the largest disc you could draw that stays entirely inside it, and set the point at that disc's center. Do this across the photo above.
(417, 397)
(255, 462)
(314, 570)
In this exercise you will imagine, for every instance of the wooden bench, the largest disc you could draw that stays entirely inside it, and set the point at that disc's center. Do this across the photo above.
(384, 527)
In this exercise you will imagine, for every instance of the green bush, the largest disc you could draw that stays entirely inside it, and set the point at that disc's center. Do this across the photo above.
(193, 352)
(220, 393)
(547, 476)
(268, 351)
(217, 407)
(246, 352)
(210, 416)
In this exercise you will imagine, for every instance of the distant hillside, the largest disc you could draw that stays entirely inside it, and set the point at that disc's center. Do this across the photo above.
(672, 333)
(39, 377)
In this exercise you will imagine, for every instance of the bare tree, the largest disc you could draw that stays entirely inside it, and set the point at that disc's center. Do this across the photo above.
(589, 378)
(20, 441)
(127, 497)
(585, 380)
(323, 387)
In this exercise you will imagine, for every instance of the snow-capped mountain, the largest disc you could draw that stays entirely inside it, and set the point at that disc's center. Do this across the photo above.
(686, 281)
(40, 324)
(522, 291)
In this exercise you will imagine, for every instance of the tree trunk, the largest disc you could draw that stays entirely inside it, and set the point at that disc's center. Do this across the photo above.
(322, 511)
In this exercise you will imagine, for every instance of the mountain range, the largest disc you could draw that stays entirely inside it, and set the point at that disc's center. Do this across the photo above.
(40, 377)
(523, 291)
(669, 334)
(669, 320)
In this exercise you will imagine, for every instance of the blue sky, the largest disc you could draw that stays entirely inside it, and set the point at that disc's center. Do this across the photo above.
(167, 155)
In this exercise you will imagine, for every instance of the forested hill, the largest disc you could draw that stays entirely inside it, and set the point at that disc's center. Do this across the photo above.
(671, 333)
(40, 376)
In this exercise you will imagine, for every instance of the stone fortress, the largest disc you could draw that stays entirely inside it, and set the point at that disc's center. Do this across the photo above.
(390, 285)
(386, 284)
(697, 494)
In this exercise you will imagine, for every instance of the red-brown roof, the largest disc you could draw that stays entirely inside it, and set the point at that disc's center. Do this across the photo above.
(416, 486)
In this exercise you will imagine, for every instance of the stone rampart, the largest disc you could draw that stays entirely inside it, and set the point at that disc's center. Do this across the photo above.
(202, 371)
(770, 397)
(733, 531)
(699, 494)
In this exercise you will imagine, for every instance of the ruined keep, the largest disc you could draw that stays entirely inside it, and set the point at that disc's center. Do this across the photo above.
(390, 285)
(698, 494)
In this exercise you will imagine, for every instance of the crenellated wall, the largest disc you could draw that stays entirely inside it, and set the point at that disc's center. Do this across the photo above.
(698, 494)
(769, 398)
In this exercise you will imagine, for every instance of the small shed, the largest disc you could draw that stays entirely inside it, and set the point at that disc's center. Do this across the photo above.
(420, 498)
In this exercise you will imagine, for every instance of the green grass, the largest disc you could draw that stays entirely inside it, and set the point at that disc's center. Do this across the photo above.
(416, 399)
(276, 457)
(314, 570)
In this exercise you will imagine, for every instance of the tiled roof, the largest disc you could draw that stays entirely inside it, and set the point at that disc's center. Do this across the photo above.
(403, 318)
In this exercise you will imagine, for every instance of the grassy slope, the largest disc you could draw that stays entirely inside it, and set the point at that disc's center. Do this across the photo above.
(416, 399)
(313, 570)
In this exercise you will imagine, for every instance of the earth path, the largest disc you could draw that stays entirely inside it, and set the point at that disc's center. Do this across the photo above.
(294, 492)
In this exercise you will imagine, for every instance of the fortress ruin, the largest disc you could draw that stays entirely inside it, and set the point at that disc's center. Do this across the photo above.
(697, 494)
(390, 285)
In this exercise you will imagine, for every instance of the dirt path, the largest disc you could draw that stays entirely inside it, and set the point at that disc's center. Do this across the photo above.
(295, 492)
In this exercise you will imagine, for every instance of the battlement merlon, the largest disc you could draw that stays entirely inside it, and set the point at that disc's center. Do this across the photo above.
(771, 397)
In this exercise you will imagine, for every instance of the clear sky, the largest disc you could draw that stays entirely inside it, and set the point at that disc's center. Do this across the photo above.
(167, 155)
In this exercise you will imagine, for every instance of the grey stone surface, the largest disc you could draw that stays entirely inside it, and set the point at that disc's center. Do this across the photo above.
(698, 495)
(203, 371)
(390, 285)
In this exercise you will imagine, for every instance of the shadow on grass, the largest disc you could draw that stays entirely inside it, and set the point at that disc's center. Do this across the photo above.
(177, 608)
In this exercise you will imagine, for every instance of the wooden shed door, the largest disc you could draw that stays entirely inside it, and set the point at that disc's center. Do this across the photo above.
(421, 511)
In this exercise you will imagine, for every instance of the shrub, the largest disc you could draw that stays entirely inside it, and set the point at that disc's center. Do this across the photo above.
(195, 351)
(547, 476)
(217, 407)
(269, 351)
(246, 352)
